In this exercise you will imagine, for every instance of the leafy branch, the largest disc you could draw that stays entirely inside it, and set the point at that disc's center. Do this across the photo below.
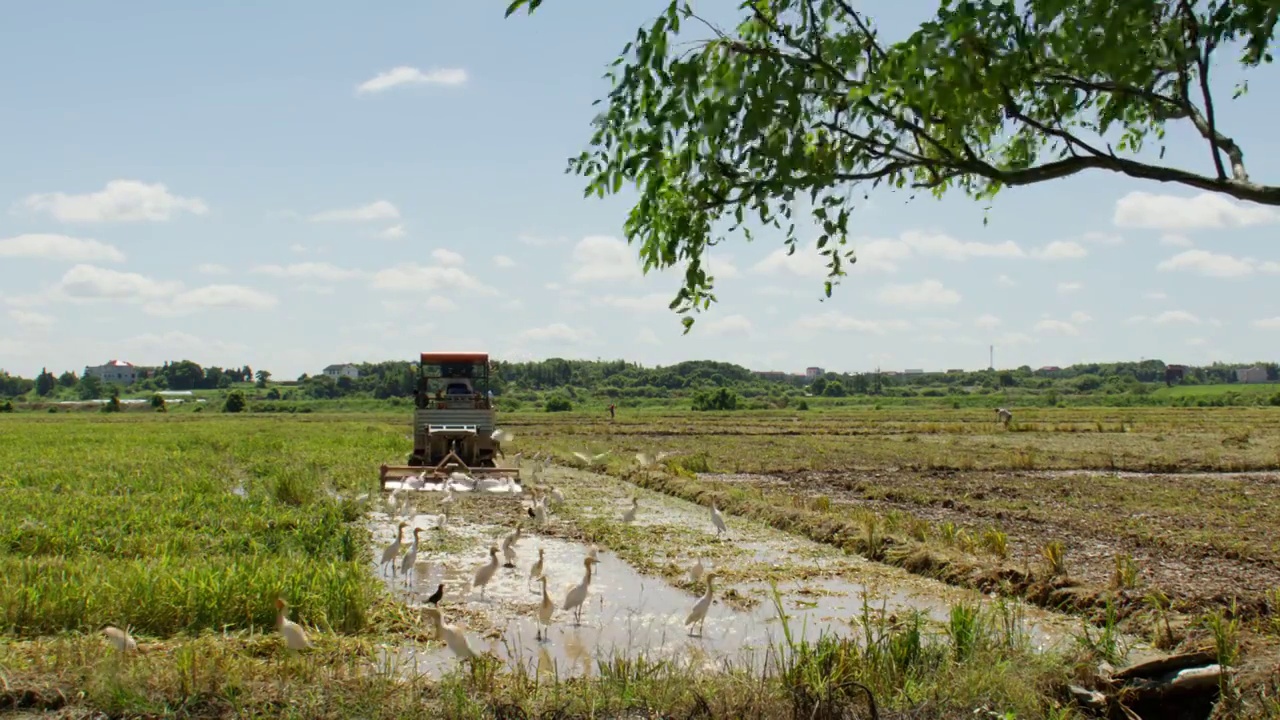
(802, 107)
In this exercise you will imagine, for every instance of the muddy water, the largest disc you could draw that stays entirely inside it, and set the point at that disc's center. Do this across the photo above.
(632, 614)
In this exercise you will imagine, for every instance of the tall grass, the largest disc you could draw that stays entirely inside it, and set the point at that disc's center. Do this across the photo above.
(179, 526)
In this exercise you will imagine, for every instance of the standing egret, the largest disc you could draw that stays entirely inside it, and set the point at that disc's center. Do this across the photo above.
(577, 595)
(389, 555)
(556, 495)
(695, 573)
(699, 613)
(630, 514)
(295, 638)
(536, 570)
(718, 520)
(508, 555)
(485, 572)
(410, 558)
(545, 610)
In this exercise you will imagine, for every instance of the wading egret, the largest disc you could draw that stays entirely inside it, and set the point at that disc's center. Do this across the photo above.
(577, 595)
(410, 558)
(536, 570)
(508, 556)
(557, 496)
(699, 613)
(485, 572)
(389, 555)
(718, 520)
(545, 609)
(695, 573)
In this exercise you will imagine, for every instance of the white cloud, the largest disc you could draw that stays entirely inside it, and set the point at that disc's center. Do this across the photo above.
(1056, 327)
(395, 232)
(987, 321)
(1169, 317)
(921, 294)
(832, 320)
(539, 241)
(308, 270)
(28, 318)
(1080, 317)
(406, 75)
(602, 258)
(727, 325)
(1100, 238)
(1005, 280)
(1171, 212)
(949, 248)
(882, 255)
(647, 336)
(1268, 323)
(720, 268)
(213, 296)
(212, 269)
(89, 282)
(555, 332)
(119, 201)
(448, 258)
(416, 278)
(651, 302)
(938, 323)
(503, 261)
(1181, 241)
(1156, 295)
(440, 303)
(376, 210)
(1207, 263)
(1062, 250)
(1068, 287)
(299, 248)
(58, 247)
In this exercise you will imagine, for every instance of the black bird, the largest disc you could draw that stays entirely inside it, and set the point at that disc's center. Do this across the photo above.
(435, 596)
(530, 511)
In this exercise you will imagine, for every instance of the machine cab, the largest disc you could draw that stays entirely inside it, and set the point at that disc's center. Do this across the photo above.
(453, 381)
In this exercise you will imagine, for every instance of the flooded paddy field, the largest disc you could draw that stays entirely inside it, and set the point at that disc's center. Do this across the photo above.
(641, 591)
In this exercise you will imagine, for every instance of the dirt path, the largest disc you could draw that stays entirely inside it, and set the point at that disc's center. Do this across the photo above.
(640, 592)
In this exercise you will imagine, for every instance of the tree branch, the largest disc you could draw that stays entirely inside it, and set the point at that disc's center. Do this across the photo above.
(1191, 28)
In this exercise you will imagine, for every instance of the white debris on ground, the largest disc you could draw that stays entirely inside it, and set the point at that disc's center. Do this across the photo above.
(457, 482)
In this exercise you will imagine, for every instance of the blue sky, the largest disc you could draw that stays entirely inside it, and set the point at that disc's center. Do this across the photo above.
(208, 181)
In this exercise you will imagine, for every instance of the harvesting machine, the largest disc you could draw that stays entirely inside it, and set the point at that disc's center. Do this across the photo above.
(454, 427)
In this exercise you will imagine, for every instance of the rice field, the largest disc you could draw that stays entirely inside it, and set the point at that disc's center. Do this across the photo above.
(186, 527)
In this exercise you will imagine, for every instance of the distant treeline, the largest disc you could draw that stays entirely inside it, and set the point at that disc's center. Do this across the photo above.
(563, 382)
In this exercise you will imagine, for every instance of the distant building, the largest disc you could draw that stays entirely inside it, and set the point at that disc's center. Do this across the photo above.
(954, 371)
(772, 375)
(1251, 375)
(118, 371)
(344, 370)
(813, 373)
(913, 371)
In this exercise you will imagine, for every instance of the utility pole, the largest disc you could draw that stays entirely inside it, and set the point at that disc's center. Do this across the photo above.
(991, 358)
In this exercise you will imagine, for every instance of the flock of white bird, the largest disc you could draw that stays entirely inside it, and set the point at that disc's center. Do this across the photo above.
(541, 505)
(295, 637)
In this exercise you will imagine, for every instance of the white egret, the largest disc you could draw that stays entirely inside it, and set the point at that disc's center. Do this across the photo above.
(545, 609)
(695, 573)
(120, 639)
(717, 519)
(393, 550)
(699, 613)
(295, 638)
(536, 570)
(410, 557)
(577, 595)
(452, 636)
(485, 572)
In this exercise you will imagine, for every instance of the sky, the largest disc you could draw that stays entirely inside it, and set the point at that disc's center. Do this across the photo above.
(292, 184)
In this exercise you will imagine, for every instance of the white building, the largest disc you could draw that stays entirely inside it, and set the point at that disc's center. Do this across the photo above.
(1251, 375)
(344, 370)
(813, 373)
(116, 371)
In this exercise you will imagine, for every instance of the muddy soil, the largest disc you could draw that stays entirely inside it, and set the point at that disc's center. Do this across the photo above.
(640, 592)
(1201, 538)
